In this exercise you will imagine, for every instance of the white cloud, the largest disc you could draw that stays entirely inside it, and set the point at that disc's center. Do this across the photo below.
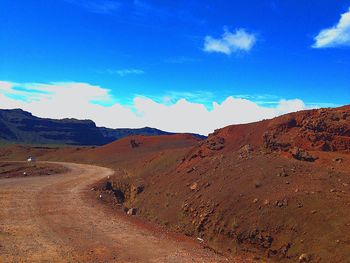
(85, 101)
(338, 35)
(6, 86)
(230, 42)
(125, 72)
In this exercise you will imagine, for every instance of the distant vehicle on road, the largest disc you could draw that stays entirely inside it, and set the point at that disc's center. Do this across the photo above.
(31, 159)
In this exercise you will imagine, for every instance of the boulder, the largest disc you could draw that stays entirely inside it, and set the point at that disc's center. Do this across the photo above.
(304, 258)
(132, 211)
(302, 155)
(134, 143)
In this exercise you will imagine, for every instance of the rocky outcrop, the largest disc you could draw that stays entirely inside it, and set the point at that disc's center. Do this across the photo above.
(215, 143)
(124, 191)
(319, 130)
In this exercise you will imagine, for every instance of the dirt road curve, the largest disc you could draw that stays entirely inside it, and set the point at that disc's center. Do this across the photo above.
(47, 219)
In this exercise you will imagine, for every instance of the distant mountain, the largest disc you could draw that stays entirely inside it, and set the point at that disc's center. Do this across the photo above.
(19, 126)
(115, 134)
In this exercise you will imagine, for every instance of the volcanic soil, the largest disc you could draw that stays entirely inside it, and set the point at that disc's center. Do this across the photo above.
(53, 219)
(278, 190)
(24, 169)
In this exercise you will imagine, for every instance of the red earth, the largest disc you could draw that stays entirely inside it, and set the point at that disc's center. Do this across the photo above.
(278, 190)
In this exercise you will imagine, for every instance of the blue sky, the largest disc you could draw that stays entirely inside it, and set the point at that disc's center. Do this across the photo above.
(165, 51)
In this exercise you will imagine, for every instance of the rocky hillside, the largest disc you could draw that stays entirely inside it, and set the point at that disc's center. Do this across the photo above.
(277, 189)
(18, 126)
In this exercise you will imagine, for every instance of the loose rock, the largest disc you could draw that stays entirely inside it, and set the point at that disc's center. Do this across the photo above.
(132, 211)
(194, 186)
(302, 155)
(257, 184)
(304, 258)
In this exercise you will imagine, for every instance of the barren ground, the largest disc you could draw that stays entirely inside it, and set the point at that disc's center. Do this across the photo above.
(25, 169)
(50, 219)
(278, 190)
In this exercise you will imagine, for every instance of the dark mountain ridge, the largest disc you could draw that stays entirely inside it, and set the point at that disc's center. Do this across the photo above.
(18, 126)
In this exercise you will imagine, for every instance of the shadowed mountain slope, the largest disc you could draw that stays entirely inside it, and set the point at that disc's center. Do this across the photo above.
(18, 126)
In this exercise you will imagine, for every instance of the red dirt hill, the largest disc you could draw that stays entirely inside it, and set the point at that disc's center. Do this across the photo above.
(278, 188)
(315, 130)
(132, 154)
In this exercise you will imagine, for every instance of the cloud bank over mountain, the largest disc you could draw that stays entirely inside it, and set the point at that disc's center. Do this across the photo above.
(86, 101)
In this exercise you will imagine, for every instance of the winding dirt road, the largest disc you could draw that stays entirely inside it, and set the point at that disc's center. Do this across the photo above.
(48, 219)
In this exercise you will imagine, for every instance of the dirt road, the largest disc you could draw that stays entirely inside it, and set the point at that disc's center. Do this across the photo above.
(48, 219)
